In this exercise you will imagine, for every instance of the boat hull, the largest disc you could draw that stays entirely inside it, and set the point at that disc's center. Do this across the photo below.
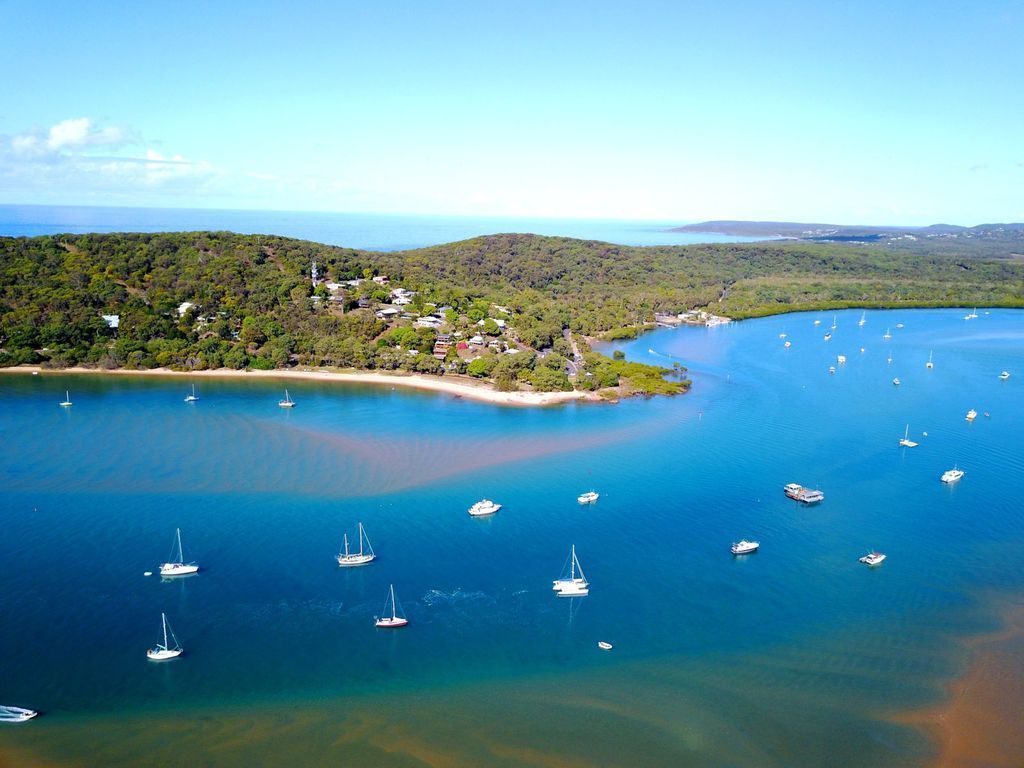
(391, 623)
(162, 654)
(573, 592)
(178, 569)
(351, 561)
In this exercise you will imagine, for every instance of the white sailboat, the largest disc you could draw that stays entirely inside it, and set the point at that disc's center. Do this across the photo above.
(67, 399)
(889, 360)
(863, 318)
(906, 442)
(886, 335)
(929, 364)
(177, 567)
(348, 559)
(193, 397)
(394, 620)
(10, 714)
(573, 584)
(165, 650)
(287, 402)
(833, 322)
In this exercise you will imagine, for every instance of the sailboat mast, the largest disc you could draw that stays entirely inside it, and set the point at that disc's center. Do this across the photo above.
(572, 565)
(346, 545)
(394, 608)
(163, 618)
(360, 539)
(181, 555)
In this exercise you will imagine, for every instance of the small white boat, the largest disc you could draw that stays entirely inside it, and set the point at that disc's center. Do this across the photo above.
(863, 318)
(831, 369)
(164, 651)
(603, 645)
(572, 583)
(889, 360)
(896, 381)
(972, 315)
(873, 558)
(906, 442)
(484, 507)
(177, 566)
(886, 335)
(744, 547)
(395, 619)
(287, 402)
(16, 714)
(588, 498)
(782, 335)
(787, 345)
(817, 322)
(348, 559)
(67, 400)
(971, 415)
(952, 475)
(193, 397)
(828, 336)
(1004, 375)
(899, 325)
(841, 359)
(929, 364)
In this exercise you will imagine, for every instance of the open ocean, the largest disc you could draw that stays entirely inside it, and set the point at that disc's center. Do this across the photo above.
(378, 232)
(797, 655)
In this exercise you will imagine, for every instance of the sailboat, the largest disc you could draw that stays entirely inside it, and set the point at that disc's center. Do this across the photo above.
(67, 399)
(929, 364)
(165, 650)
(177, 567)
(863, 318)
(833, 322)
(394, 620)
(890, 359)
(193, 397)
(906, 442)
(287, 402)
(886, 335)
(575, 584)
(348, 559)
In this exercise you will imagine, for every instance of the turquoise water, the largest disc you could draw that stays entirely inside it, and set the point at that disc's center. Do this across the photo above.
(378, 232)
(787, 657)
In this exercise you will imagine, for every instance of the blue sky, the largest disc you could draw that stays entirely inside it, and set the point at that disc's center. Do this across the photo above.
(867, 112)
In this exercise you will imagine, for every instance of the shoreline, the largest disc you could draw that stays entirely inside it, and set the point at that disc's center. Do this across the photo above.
(458, 386)
(979, 722)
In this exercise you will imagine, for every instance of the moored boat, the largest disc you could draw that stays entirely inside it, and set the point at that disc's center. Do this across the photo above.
(952, 475)
(348, 559)
(744, 547)
(287, 402)
(193, 397)
(484, 507)
(165, 651)
(971, 415)
(873, 558)
(588, 498)
(906, 442)
(67, 400)
(394, 618)
(806, 495)
(572, 583)
(1004, 375)
(177, 566)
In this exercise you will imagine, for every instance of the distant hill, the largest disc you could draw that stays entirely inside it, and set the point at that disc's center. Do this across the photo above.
(852, 232)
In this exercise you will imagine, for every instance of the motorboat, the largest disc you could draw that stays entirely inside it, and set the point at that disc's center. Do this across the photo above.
(831, 369)
(744, 547)
(873, 558)
(896, 381)
(971, 415)
(799, 493)
(828, 336)
(603, 645)
(348, 559)
(588, 498)
(393, 618)
(1004, 375)
(484, 507)
(952, 475)
(164, 651)
(841, 359)
(176, 566)
(787, 345)
(16, 714)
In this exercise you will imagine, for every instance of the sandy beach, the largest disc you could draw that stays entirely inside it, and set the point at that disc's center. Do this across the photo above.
(981, 723)
(459, 386)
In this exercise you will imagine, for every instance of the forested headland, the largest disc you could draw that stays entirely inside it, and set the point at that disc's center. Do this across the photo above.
(515, 309)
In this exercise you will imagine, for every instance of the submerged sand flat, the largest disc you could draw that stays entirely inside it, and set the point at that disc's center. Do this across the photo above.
(461, 386)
